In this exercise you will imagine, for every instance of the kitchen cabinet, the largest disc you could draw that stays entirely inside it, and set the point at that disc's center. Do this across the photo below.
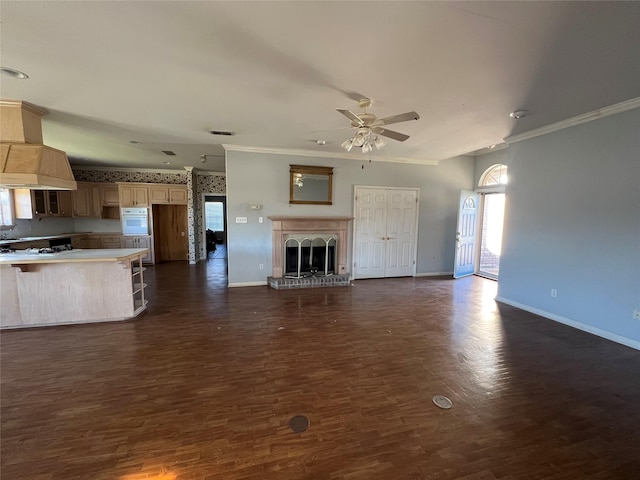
(41, 203)
(109, 195)
(168, 194)
(65, 205)
(110, 241)
(85, 241)
(133, 195)
(86, 200)
(139, 241)
(96, 200)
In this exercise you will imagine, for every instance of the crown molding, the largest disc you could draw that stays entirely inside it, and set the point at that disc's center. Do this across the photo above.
(125, 169)
(311, 153)
(577, 120)
(488, 150)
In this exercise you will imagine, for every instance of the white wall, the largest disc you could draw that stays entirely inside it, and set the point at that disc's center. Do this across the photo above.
(264, 179)
(573, 224)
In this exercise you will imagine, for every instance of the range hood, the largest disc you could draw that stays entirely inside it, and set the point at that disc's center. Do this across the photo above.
(24, 161)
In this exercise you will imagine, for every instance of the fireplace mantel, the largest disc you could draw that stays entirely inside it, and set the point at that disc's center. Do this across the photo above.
(287, 225)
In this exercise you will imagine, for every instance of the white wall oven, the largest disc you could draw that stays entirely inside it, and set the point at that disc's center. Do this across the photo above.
(135, 221)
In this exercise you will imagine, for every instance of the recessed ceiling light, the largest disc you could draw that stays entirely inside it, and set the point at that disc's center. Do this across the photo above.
(492, 146)
(222, 132)
(519, 114)
(321, 142)
(135, 142)
(167, 163)
(14, 73)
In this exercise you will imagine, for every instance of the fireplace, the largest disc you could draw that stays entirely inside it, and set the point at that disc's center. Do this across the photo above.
(306, 255)
(309, 252)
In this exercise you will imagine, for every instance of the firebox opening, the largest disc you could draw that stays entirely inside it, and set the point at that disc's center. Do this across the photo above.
(309, 257)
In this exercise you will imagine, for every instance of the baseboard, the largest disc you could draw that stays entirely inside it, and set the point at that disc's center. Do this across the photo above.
(572, 323)
(247, 284)
(434, 274)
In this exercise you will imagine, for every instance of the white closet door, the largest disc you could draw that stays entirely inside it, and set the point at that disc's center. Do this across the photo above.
(401, 232)
(370, 233)
(385, 232)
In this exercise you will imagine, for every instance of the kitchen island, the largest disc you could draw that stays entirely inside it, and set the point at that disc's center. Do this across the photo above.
(75, 286)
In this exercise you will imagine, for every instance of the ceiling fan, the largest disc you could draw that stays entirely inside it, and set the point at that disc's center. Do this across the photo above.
(369, 127)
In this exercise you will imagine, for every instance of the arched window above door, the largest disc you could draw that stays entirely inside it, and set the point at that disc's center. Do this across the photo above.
(493, 176)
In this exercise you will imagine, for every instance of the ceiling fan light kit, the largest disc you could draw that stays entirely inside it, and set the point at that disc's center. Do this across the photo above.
(369, 128)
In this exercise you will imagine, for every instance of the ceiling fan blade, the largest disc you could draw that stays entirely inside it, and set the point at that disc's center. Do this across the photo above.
(403, 117)
(351, 116)
(401, 137)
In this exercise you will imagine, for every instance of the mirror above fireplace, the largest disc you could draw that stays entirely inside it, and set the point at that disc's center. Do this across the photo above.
(310, 185)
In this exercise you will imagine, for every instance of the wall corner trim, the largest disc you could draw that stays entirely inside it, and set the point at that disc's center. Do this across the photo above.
(577, 120)
(572, 323)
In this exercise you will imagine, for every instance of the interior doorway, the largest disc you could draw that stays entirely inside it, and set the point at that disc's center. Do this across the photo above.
(215, 226)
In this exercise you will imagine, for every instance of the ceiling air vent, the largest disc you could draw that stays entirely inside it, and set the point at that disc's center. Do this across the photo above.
(169, 152)
(222, 132)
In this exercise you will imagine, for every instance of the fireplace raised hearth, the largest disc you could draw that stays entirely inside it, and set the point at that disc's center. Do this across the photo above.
(309, 252)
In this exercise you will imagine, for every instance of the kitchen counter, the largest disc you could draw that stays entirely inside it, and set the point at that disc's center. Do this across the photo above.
(75, 286)
(11, 241)
(73, 256)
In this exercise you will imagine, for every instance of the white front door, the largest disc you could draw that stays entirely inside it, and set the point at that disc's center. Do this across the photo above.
(466, 233)
(385, 231)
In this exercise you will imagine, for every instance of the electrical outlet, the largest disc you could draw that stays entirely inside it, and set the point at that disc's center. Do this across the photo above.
(261, 266)
(554, 292)
(636, 314)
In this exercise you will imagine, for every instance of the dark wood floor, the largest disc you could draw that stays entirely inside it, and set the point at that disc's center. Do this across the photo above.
(204, 384)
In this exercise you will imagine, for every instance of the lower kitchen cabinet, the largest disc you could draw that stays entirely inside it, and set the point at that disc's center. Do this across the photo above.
(139, 241)
(111, 241)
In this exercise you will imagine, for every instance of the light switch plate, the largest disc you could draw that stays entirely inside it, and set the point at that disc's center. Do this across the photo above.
(241, 219)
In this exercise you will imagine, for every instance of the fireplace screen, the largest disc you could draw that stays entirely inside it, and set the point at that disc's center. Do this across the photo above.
(305, 257)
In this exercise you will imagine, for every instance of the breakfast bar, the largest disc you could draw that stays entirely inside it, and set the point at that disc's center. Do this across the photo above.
(76, 286)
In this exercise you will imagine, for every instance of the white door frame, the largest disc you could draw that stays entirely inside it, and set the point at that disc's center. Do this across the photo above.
(355, 224)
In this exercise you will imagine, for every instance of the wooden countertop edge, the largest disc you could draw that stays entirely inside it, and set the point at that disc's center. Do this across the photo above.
(77, 256)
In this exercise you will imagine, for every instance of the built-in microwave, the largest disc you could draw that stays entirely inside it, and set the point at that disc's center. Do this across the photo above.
(135, 221)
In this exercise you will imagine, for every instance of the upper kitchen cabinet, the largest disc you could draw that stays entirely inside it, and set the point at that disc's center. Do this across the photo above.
(168, 194)
(133, 195)
(41, 203)
(65, 203)
(109, 195)
(86, 201)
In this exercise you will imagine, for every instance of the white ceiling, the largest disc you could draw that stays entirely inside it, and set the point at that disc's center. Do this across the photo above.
(165, 73)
